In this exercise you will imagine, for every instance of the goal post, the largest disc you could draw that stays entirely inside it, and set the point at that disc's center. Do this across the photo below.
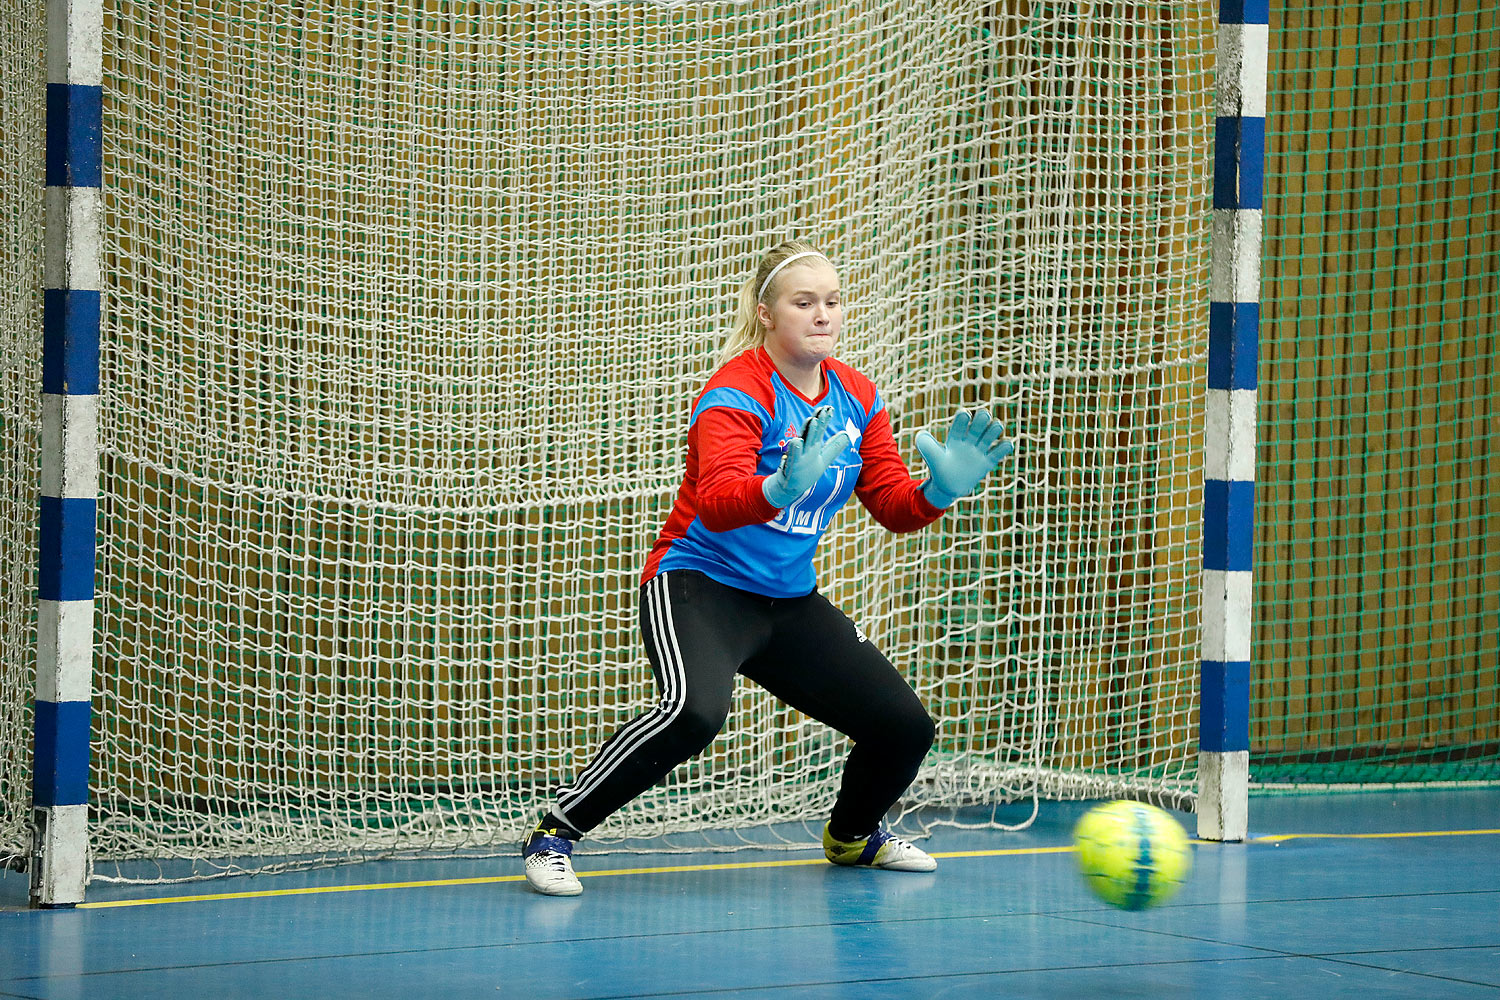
(66, 527)
(1229, 434)
(402, 314)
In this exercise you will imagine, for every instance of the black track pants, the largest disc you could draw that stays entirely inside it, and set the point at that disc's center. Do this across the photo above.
(699, 634)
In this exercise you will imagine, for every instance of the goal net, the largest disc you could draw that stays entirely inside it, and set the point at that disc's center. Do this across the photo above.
(23, 101)
(405, 313)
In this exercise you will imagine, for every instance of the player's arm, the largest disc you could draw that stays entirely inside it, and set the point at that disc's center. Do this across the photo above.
(730, 493)
(956, 466)
(886, 486)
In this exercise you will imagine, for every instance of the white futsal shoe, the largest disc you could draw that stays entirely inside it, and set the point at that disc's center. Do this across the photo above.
(879, 850)
(549, 864)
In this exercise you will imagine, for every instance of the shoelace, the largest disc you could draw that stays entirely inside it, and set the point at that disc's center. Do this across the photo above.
(881, 838)
(543, 842)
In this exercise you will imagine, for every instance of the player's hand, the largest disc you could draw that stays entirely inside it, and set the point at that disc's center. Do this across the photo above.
(974, 447)
(805, 459)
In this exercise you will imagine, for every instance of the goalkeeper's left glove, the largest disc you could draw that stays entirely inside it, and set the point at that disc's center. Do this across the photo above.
(974, 447)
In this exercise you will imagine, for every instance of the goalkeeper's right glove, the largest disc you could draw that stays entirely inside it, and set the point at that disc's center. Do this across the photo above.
(805, 459)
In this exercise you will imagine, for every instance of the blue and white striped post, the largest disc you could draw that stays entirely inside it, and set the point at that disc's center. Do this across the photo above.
(1229, 475)
(70, 464)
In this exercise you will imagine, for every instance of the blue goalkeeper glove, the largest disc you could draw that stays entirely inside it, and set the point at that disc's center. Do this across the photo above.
(805, 459)
(974, 447)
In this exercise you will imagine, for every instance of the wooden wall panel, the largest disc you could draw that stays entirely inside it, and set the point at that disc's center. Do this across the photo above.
(1378, 553)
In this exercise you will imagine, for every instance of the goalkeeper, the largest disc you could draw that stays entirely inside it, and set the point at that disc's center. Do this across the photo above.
(779, 439)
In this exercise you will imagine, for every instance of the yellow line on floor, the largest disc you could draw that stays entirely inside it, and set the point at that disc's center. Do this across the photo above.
(732, 866)
(1276, 838)
(434, 883)
(307, 891)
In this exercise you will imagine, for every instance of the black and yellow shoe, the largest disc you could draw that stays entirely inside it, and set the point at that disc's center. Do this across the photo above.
(879, 850)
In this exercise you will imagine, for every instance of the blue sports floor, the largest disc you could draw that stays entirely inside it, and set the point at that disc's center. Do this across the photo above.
(1358, 895)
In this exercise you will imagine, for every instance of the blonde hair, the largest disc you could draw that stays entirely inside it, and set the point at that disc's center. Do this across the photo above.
(747, 332)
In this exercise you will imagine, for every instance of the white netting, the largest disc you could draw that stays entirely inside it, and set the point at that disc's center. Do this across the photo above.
(23, 98)
(405, 314)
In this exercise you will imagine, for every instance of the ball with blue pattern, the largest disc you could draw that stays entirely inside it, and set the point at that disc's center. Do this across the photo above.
(1132, 855)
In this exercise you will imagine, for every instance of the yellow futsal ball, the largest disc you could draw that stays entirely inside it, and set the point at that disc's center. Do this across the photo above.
(1132, 855)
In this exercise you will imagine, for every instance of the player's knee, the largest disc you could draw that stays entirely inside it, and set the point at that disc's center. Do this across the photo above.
(911, 733)
(697, 725)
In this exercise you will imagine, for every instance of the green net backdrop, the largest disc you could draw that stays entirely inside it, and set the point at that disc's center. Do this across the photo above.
(1377, 599)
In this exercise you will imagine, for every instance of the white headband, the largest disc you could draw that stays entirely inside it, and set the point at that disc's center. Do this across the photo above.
(777, 270)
